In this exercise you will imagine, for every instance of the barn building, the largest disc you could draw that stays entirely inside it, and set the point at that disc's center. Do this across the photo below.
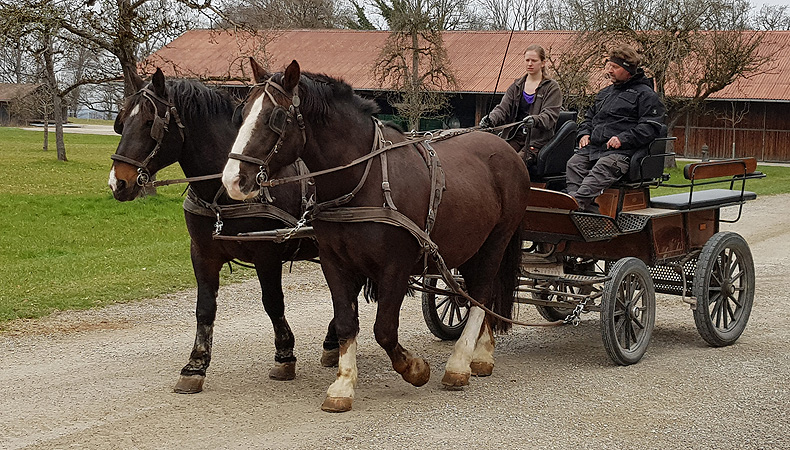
(753, 113)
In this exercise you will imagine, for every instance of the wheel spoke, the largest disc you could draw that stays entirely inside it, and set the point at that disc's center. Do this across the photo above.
(639, 323)
(447, 304)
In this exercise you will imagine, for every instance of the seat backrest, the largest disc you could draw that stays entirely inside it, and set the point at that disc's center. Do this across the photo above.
(648, 163)
(553, 157)
(556, 153)
(564, 117)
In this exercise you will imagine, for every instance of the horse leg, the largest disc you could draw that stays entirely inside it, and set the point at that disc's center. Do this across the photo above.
(412, 368)
(207, 275)
(482, 364)
(473, 352)
(458, 369)
(331, 352)
(344, 289)
(269, 272)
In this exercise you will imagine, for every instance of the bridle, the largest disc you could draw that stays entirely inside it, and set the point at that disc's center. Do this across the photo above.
(279, 119)
(158, 131)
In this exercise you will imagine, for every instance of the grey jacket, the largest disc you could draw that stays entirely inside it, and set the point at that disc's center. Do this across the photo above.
(545, 109)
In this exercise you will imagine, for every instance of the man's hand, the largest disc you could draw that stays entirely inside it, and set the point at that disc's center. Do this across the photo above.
(614, 142)
(485, 122)
(584, 141)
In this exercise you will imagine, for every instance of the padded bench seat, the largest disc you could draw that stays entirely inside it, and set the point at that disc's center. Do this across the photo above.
(701, 199)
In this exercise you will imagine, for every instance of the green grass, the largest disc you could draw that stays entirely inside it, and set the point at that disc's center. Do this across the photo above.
(67, 244)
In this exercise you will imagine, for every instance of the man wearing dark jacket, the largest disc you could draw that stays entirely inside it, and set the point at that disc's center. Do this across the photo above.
(626, 116)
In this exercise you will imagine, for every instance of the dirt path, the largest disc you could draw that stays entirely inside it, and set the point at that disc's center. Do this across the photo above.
(103, 379)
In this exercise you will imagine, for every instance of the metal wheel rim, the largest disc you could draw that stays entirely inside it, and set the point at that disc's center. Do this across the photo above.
(630, 318)
(449, 311)
(726, 288)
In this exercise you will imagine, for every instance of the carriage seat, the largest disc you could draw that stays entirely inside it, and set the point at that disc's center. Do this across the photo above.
(710, 172)
(701, 199)
(647, 164)
(553, 157)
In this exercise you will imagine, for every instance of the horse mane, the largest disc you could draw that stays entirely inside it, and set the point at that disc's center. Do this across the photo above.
(324, 94)
(197, 102)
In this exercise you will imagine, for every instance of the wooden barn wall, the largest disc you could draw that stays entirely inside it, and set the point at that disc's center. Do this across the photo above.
(762, 132)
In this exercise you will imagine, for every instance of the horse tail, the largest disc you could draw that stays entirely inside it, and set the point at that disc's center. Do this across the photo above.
(504, 292)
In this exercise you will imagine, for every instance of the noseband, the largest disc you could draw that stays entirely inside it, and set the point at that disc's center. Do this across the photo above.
(279, 119)
(158, 131)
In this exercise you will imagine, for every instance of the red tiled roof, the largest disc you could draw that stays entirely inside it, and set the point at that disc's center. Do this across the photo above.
(475, 57)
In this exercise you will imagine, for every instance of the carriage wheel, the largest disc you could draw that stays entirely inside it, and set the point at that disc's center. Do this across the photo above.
(628, 311)
(551, 313)
(445, 315)
(724, 288)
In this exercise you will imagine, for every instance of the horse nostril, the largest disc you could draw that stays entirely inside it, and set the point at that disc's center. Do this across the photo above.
(121, 184)
(242, 180)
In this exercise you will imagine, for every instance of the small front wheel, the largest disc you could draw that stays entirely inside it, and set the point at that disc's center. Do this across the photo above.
(445, 315)
(628, 311)
(724, 288)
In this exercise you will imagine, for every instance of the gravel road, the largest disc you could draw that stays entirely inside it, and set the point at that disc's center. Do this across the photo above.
(103, 379)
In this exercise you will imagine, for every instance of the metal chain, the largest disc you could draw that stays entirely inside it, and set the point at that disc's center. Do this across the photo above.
(575, 316)
(302, 222)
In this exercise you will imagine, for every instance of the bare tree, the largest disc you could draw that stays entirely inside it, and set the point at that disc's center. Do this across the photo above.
(773, 18)
(691, 48)
(414, 62)
(289, 14)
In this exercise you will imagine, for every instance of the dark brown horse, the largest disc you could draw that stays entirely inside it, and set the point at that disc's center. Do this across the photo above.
(186, 122)
(321, 120)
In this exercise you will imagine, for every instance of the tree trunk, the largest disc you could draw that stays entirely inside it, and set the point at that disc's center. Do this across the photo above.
(57, 100)
(415, 80)
(46, 127)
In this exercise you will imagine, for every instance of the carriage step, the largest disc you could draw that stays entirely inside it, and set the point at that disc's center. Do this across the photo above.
(597, 227)
(567, 279)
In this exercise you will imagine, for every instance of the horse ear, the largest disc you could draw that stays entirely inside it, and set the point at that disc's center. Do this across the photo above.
(291, 77)
(136, 81)
(259, 74)
(158, 81)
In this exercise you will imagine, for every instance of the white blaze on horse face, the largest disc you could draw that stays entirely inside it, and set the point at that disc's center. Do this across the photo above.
(135, 111)
(461, 358)
(230, 176)
(113, 182)
(346, 372)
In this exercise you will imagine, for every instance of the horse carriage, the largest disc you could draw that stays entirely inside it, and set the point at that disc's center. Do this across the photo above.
(615, 262)
(522, 238)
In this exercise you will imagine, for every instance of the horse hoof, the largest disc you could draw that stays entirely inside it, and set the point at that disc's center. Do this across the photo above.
(337, 404)
(454, 381)
(283, 371)
(418, 373)
(189, 384)
(330, 357)
(481, 368)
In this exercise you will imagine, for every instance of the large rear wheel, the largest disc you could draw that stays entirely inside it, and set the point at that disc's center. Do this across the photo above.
(445, 315)
(628, 311)
(724, 288)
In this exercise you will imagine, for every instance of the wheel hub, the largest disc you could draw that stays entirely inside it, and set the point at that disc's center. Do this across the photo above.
(726, 289)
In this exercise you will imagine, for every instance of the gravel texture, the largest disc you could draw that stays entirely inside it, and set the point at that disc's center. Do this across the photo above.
(103, 379)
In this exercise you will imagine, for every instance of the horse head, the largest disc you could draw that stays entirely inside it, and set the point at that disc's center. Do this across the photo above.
(147, 123)
(272, 132)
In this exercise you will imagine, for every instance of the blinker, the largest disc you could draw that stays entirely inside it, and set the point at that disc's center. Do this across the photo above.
(278, 119)
(159, 127)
